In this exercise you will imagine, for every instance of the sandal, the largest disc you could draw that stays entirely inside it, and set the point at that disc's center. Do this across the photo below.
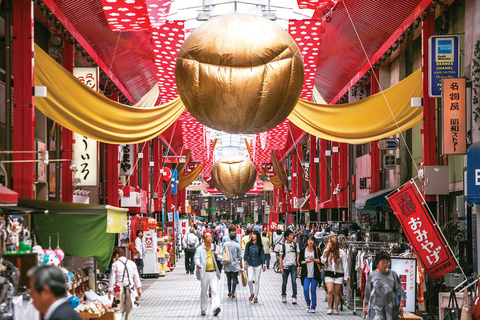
(255, 300)
(251, 297)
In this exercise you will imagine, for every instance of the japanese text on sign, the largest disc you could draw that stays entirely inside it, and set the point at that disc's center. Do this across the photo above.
(85, 154)
(423, 235)
(454, 116)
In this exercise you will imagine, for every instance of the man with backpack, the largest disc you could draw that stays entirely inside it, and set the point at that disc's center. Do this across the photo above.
(190, 243)
(289, 257)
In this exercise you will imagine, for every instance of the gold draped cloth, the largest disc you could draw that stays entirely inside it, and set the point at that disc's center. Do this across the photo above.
(75, 106)
(364, 120)
(187, 178)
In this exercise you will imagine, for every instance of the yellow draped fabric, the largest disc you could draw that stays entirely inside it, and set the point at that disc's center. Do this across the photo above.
(277, 183)
(281, 174)
(365, 120)
(186, 179)
(80, 109)
(181, 166)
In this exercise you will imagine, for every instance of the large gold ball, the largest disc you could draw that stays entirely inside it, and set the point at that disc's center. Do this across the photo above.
(233, 175)
(239, 73)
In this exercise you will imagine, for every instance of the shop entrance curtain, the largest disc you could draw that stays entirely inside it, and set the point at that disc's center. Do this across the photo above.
(83, 110)
(364, 120)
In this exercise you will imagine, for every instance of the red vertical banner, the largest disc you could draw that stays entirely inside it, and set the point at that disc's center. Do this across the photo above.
(422, 233)
(273, 223)
(290, 219)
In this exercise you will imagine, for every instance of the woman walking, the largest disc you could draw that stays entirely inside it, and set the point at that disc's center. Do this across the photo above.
(336, 271)
(140, 251)
(232, 269)
(255, 260)
(266, 248)
(310, 274)
(380, 290)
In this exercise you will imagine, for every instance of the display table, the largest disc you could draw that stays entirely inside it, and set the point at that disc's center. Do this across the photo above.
(105, 316)
(411, 316)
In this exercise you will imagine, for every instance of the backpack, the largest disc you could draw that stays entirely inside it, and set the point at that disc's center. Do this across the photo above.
(216, 237)
(284, 253)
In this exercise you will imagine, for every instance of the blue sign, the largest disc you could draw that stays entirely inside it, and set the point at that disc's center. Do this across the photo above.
(473, 174)
(173, 185)
(444, 62)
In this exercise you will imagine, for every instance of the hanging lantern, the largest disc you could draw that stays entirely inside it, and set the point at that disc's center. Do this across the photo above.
(233, 175)
(239, 73)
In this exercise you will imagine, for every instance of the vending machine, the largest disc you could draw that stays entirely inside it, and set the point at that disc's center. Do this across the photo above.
(150, 267)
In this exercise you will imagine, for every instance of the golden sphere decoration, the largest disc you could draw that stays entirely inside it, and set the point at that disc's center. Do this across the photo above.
(234, 175)
(239, 73)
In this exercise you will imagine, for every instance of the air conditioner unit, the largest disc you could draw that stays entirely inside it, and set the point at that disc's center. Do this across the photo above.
(203, 15)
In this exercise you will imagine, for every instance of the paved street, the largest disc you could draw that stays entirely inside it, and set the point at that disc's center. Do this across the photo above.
(176, 296)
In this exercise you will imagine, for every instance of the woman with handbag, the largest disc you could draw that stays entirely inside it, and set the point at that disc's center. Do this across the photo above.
(125, 285)
(310, 274)
(382, 289)
(255, 260)
(233, 267)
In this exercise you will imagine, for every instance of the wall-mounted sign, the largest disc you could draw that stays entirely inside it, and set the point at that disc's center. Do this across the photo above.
(444, 62)
(126, 159)
(357, 93)
(454, 116)
(174, 159)
(389, 161)
(173, 186)
(87, 75)
(387, 144)
(85, 155)
(406, 270)
(41, 168)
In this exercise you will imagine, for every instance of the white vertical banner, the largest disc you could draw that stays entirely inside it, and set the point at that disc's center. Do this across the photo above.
(86, 157)
(406, 270)
(126, 159)
(41, 168)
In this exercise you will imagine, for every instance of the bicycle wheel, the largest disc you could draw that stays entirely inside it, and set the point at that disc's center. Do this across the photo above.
(276, 267)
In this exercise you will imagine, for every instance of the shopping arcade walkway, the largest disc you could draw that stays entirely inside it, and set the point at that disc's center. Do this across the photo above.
(177, 296)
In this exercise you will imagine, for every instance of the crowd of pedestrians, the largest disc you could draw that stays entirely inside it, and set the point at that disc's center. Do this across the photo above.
(246, 251)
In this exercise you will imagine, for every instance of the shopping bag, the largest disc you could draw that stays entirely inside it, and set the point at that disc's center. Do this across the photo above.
(226, 254)
(466, 312)
(244, 278)
(452, 312)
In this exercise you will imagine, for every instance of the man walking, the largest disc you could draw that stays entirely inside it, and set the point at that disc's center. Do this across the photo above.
(289, 256)
(208, 273)
(190, 243)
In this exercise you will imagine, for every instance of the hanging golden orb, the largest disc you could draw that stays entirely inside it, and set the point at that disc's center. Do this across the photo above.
(233, 175)
(239, 73)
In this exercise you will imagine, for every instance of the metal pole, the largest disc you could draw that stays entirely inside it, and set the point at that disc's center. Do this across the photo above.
(8, 82)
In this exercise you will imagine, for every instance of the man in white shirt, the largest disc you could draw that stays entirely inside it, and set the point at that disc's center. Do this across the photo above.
(124, 274)
(48, 290)
(289, 257)
(190, 244)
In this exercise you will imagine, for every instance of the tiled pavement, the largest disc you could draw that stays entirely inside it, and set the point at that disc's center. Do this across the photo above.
(177, 296)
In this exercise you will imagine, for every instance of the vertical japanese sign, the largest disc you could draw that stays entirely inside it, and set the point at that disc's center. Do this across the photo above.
(85, 154)
(85, 149)
(444, 62)
(422, 233)
(173, 183)
(454, 116)
(357, 93)
(406, 270)
(290, 219)
(126, 160)
(273, 223)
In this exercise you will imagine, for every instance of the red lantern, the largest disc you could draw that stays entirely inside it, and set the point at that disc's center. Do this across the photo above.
(152, 223)
(167, 174)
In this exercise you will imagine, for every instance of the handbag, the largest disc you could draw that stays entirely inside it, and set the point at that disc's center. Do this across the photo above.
(452, 312)
(226, 254)
(244, 278)
(476, 306)
(466, 312)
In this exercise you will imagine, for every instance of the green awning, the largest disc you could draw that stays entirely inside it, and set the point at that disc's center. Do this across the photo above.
(85, 230)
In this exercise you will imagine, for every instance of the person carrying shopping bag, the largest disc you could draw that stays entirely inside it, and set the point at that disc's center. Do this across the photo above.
(310, 273)
(233, 267)
(254, 263)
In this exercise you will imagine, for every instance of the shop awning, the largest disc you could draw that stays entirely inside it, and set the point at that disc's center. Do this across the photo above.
(85, 230)
(7, 197)
(375, 199)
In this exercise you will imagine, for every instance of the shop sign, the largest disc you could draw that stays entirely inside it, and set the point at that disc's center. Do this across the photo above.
(149, 238)
(406, 270)
(173, 183)
(126, 159)
(357, 93)
(87, 75)
(422, 232)
(170, 216)
(174, 159)
(290, 219)
(184, 226)
(389, 161)
(41, 168)
(366, 217)
(444, 62)
(472, 183)
(273, 223)
(387, 144)
(85, 155)
(454, 116)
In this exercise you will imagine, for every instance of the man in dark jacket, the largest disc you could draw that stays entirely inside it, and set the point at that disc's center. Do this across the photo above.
(48, 290)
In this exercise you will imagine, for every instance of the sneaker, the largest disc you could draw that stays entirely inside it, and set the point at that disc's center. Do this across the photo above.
(335, 312)
(216, 311)
(329, 311)
(307, 308)
(284, 299)
(294, 300)
(203, 312)
(311, 310)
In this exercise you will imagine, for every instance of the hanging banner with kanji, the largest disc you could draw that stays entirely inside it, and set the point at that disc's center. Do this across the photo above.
(273, 223)
(290, 219)
(454, 116)
(422, 233)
